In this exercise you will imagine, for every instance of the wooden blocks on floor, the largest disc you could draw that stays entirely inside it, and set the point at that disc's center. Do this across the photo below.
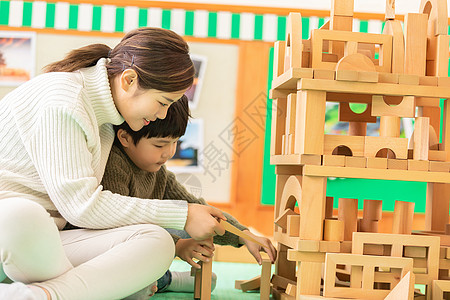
(202, 286)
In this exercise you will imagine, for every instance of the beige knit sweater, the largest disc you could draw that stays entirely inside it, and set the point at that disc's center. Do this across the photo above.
(55, 137)
(122, 176)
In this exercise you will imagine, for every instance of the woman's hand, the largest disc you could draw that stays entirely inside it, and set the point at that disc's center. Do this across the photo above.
(201, 221)
(254, 248)
(188, 249)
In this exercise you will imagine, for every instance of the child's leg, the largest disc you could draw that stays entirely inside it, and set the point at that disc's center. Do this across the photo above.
(109, 264)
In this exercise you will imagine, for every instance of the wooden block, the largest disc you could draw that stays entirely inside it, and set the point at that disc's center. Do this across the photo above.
(279, 108)
(368, 76)
(288, 170)
(278, 58)
(367, 266)
(339, 22)
(348, 213)
(354, 143)
(355, 62)
(418, 165)
(398, 164)
(324, 74)
(205, 292)
(330, 246)
(266, 270)
(355, 162)
(291, 290)
(365, 225)
(421, 138)
(282, 220)
(333, 160)
(290, 113)
(357, 128)
(329, 207)
(443, 81)
(437, 155)
(197, 283)
(387, 77)
(439, 166)
(390, 10)
(406, 108)
(408, 79)
(404, 290)
(374, 144)
(394, 28)
(313, 203)
(309, 275)
(442, 55)
(346, 75)
(342, 8)
(372, 210)
(294, 45)
(440, 290)
(333, 230)
(308, 246)
(251, 284)
(428, 80)
(281, 282)
(403, 217)
(438, 19)
(415, 252)
(310, 123)
(377, 162)
(346, 114)
(293, 225)
(415, 30)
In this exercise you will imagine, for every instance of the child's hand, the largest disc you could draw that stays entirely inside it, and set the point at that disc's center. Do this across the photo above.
(254, 248)
(201, 221)
(187, 249)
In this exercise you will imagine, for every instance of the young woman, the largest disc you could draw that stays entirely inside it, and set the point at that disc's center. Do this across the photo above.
(56, 132)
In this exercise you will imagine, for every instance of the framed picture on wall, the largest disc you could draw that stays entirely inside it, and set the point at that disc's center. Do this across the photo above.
(17, 57)
(189, 148)
(193, 93)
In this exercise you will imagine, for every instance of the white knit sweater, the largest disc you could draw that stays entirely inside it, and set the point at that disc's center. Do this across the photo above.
(55, 137)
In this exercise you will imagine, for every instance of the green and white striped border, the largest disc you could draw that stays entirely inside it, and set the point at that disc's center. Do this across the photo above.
(87, 17)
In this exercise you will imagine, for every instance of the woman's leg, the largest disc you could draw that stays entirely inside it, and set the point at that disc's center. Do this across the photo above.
(109, 264)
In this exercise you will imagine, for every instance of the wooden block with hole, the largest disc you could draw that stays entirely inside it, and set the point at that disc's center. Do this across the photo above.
(346, 114)
(293, 225)
(418, 165)
(406, 108)
(355, 144)
(377, 162)
(415, 30)
(374, 144)
(363, 273)
(333, 160)
(440, 288)
(355, 162)
(333, 230)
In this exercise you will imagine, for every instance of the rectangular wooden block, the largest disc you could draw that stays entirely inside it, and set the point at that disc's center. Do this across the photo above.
(388, 77)
(293, 225)
(377, 162)
(408, 79)
(333, 160)
(421, 138)
(346, 75)
(443, 81)
(342, 8)
(355, 162)
(415, 30)
(398, 164)
(418, 165)
(439, 166)
(374, 144)
(324, 74)
(428, 80)
(368, 76)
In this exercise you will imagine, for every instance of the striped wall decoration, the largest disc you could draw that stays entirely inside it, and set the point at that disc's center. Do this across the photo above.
(87, 17)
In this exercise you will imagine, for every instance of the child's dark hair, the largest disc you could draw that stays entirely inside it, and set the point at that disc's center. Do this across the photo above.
(159, 56)
(173, 126)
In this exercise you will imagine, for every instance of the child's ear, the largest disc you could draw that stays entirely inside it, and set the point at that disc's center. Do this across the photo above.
(128, 79)
(124, 138)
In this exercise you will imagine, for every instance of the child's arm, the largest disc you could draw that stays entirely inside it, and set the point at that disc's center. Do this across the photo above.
(254, 248)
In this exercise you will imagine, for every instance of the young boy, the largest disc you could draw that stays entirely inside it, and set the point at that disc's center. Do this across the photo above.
(136, 168)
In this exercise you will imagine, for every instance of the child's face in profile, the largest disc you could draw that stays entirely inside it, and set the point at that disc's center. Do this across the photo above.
(150, 154)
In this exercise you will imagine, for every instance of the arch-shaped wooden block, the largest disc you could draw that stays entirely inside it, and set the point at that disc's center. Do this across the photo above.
(405, 109)
(346, 114)
(291, 194)
(354, 143)
(373, 144)
(294, 44)
(437, 15)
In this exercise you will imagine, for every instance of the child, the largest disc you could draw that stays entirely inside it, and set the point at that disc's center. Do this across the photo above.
(136, 168)
(57, 132)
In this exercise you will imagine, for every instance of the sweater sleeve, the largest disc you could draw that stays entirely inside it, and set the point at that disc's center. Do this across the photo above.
(63, 150)
(175, 190)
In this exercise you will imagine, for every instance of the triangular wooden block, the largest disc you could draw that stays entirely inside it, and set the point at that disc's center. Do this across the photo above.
(404, 290)
(282, 219)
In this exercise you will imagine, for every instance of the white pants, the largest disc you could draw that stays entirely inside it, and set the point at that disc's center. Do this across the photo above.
(79, 264)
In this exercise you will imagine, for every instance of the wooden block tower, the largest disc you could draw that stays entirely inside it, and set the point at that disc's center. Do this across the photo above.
(401, 73)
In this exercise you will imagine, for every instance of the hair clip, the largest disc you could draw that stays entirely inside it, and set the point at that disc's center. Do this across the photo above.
(132, 61)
